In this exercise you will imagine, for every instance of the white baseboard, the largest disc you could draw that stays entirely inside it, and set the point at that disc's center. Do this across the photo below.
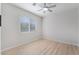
(12, 47)
(34, 39)
(61, 41)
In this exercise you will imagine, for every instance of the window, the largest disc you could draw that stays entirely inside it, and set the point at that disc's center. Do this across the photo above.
(32, 25)
(27, 24)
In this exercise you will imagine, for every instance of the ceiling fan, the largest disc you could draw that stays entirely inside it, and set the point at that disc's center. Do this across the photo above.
(45, 6)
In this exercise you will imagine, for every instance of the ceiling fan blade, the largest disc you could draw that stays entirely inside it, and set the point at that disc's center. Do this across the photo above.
(51, 6)
(49, 10)
(34, 4)
(40, 9)
(44, 5)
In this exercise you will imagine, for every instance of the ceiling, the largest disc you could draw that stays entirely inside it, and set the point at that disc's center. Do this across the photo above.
(34, 9)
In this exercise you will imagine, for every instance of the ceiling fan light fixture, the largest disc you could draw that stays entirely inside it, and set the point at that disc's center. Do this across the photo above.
(45, 9)
(45, 6)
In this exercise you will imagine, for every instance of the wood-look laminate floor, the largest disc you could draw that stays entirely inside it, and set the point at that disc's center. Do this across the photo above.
(44, 47)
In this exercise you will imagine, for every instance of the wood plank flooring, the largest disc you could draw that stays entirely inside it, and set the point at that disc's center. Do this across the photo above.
(44, 47)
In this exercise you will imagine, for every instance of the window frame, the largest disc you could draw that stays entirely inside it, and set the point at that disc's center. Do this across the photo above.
(29, 31)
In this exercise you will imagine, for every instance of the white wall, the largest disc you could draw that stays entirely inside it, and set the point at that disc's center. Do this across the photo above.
(78, 24)
(11, 35)
(62, 26)
(0, 38)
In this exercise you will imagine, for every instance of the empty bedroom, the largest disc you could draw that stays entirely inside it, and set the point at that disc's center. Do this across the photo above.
(39, 28)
